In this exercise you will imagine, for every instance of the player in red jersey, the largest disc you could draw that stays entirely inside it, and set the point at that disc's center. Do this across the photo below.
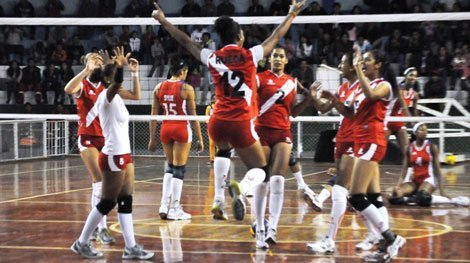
(176, 98)
(277, 102)
(86, 86)
(233, 70)
(423, 157)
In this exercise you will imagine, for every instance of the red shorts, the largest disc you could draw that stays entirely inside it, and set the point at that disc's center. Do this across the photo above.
(344, 148)
(89, 141)
(176, 133)
(369, 151)
(394, 126)
(270, 137)
(240, 134)
(114, 163)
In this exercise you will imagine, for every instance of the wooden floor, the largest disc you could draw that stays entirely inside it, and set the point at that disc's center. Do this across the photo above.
(43, 206)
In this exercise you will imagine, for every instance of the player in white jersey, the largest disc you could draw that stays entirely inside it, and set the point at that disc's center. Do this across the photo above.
(115, 161)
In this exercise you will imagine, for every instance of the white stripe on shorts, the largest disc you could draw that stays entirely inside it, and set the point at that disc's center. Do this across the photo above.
(370, 153)
(112, 165)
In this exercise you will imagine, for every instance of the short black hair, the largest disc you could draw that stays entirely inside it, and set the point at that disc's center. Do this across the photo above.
(227, 29)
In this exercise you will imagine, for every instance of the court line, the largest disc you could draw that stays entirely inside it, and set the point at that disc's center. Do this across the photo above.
(43, 195)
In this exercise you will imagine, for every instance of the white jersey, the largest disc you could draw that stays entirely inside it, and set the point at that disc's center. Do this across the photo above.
(114, 120)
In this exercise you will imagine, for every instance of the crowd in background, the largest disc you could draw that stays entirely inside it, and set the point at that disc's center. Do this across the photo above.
(440, 50)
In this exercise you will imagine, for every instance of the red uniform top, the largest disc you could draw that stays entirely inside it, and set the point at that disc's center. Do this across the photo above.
(396, 109)
(233, 70)
(370, 115)
(170, 98)
(85, 102)
(421, 160)
(275, 96)
(345, 131)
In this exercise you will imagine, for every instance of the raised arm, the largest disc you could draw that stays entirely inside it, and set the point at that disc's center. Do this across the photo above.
(133, 94)
(181, 37)
(344, 110)
(282, 29)
(116, 84)
(153, 124)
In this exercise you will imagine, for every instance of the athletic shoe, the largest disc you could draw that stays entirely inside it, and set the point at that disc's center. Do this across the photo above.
(94, 235)
(238, 206)
(85, 250)
(137, 252)
(394, 247)
(104, 237)
(312, 201)
(376, 257)
(218, 211)
(177, 213)
(260, 240)
(163, 211)
(461, 200)
(368, 243)
(271, 237)
(323, 246)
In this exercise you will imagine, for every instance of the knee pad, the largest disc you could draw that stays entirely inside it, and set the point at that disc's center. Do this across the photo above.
(375, 199)
(125, 204)
(266, 170)
(276, 184)
(292, 159)
(105, 206)
(359, 202)
(169, 169)
(223, 153)
(423, 198)
(178, 172)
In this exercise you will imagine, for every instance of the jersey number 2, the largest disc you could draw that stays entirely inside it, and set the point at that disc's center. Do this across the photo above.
(235, 91)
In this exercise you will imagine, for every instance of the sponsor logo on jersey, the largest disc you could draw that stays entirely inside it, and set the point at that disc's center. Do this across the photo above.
(414, 153)
(91, 92)
(168, 97)
(270, 82)
(343, 94)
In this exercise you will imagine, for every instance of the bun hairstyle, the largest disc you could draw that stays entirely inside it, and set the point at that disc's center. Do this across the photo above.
(227, 29)
(177, 66)
(386, 71)
(409, 70)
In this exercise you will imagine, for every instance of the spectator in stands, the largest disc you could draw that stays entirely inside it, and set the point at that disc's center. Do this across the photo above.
(191, 9)
(279, 8)
(110, 39)
(59, 55)
(303, 73)
(54, 8)
(415, 49)
(75, 50)
(28, 108)
(87, 8)
(60, 109)
(147, 42)
(426, 61)
(377, 6)
(225, 8)
(124, 38)
(106, 8)
(312, 10)
(396, 48)
(343, 45)
(38, 53)
(158, 56)
(135, 45)
(13, 81)
(66, 74)
(197, 33)
(255, 9)
(435, 88)
(133, 9)
(458, 65)
(208, 9)
(326, 50)
(195, 79)
(31, 80)
(336, 9)
(51, 81)
(304, 49)
(362, 43)
(13, 42)
(207, 41)
(58, 35)
(442, 63)
(24, 8)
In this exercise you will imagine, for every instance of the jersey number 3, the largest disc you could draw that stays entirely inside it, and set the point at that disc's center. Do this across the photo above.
(235, 91)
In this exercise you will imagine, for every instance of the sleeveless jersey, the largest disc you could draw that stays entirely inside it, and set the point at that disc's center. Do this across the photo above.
(345, 131)
(171, 101)
(396, 109)
(370, 115)
(233, 70)
(85, 101)
(275, 96)
(421, 160)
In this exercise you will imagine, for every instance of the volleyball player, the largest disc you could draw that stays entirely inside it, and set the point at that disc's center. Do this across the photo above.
(86, 86)
(115, 162)
(377, 85)
(344, 151)
(423, 157)
(233, 70)
(176, 97)
(277, 101)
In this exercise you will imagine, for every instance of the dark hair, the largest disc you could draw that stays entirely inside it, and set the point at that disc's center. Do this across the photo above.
(177, 65)
(350, 57)
(227, 29)
(386, 71)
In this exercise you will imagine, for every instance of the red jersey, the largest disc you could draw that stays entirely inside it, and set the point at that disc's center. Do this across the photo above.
(233, 71)
(345, 131)
(169, 96)
(396, 109)
(370, 115)
(421, 160)
(85, 102)
(275, 96)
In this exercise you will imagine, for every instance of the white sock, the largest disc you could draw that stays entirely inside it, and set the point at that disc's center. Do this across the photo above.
(437, 199)
(324, 194)
(127, 227)
(221, 167)
(166, 189)
(95, 199)
(299, 179)
(252, 178)
(372, 214)
(91, 223)
(176, 187)
(384, 212)
(340, 198)
(370, 226)
(276, 198)
(260, 204)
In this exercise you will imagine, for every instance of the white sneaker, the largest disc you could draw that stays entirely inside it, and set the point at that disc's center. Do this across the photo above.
(393, 248)
(260, 240)
(163, 211)
(323, 246)
(461, 200)
(312, 201)
(218, 210)
(368, 243)
(271, 237)
(177, 213)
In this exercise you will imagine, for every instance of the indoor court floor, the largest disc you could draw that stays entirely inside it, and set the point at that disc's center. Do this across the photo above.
(44, 203)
